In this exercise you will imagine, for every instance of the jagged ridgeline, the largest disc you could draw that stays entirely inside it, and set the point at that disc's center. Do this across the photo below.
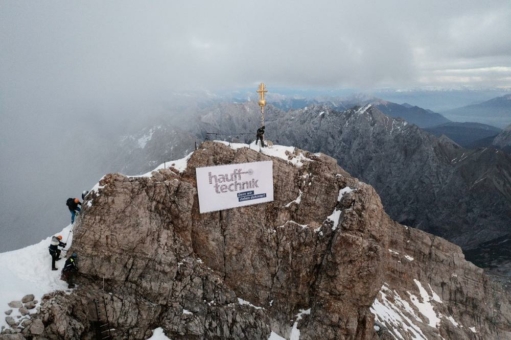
(321, 261)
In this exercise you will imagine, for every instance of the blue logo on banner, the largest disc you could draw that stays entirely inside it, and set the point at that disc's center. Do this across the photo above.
(249, 195)
(245, 193)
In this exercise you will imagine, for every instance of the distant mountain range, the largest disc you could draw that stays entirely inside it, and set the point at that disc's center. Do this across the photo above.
(412, 114)
(468, 135)
(496, 112)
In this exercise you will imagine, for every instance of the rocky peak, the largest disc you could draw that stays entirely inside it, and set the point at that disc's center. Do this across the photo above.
(503, 139)
(321, 261)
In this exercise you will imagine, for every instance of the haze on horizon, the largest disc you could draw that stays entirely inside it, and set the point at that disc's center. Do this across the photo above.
(71, 72)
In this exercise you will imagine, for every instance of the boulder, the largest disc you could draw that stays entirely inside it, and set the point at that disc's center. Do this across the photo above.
(15, 304)
(28, 298)
(10, 321)
(12, 337)
(30, 305)
(24, 311)
(37, 327)
(8, 312)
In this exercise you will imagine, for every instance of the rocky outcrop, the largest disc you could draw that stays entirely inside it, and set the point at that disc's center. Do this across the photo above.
(427, 279)
(311, 263)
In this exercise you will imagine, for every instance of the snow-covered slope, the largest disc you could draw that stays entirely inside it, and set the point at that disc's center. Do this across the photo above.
(28, 271)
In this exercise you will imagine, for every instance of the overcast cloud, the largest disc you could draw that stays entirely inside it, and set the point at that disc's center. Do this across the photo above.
(70, 71)
(118, 48)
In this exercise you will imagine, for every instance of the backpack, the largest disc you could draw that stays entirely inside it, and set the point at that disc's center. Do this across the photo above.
(70, 202)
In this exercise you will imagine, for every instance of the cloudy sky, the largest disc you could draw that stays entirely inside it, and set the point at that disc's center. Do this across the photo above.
(123, 48)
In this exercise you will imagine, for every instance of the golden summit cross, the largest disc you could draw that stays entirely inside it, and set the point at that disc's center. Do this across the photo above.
(262, 102)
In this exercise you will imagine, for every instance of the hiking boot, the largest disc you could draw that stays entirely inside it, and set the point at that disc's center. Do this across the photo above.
(71, 285)
(55, 268)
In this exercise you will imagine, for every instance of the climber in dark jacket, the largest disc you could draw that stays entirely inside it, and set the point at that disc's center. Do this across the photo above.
(260, 136)
(70, 270)
(73, 205)
(55, 251)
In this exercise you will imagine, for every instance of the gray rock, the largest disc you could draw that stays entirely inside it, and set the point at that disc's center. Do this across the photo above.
(15, 304)
(10, 321)
(8, 312)
(24, 311)
(28, 298)
(26, 322)
(37, 327)
(17, 336)
(30, 305)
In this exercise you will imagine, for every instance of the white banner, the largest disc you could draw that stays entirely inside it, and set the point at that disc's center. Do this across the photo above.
(234, 185)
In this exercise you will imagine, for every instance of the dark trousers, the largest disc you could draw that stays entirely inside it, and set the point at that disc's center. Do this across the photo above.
(73, 214)
(69, 277)
(262, 141)
(54, 256)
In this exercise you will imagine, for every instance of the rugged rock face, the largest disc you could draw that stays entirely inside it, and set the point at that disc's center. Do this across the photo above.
(427, 278)
(311, 262)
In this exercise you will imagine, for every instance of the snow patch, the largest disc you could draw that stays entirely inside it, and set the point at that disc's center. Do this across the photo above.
(336, 215)
(409, 258)
(390, 309)
(158, 334)
(180, 165)
(243, 302)
(295, 332)
(275, 336)
(297, 200)
(187, 312)
(425, 307)
(451, 319)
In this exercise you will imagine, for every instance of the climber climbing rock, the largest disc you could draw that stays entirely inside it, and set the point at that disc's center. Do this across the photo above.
(56, 242)
(70, 269)
(73, 205)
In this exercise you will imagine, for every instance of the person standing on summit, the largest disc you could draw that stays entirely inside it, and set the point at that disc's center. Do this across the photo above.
(260, 136)
(73, 205)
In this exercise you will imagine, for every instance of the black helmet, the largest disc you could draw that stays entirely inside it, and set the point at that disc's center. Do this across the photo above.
(74, 255)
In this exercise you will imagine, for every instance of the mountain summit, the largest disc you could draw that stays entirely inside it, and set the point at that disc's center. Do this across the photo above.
(322, 261)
